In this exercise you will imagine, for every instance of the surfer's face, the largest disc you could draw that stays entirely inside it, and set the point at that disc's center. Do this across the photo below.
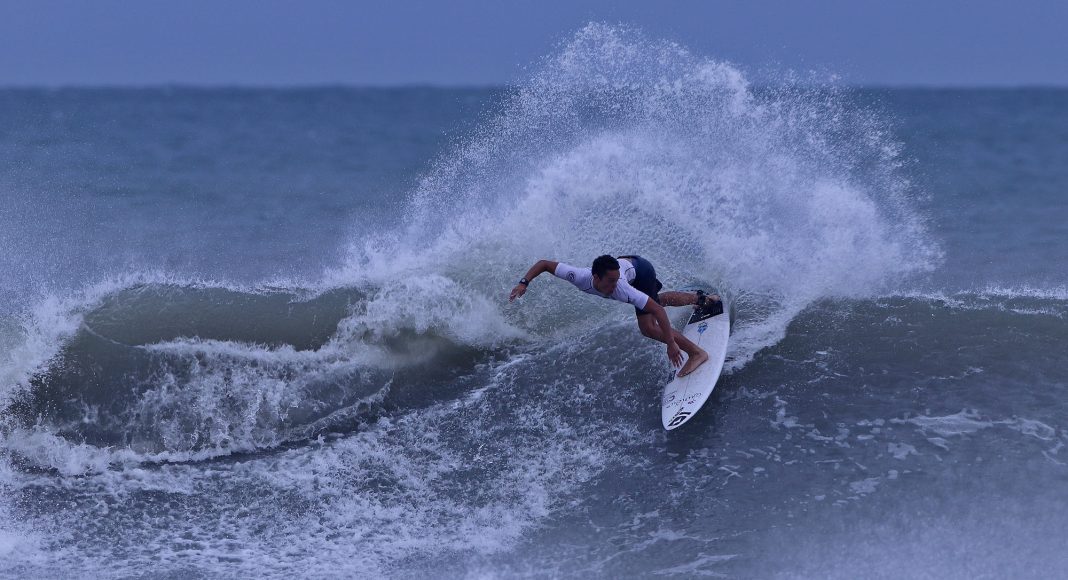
(606, 284)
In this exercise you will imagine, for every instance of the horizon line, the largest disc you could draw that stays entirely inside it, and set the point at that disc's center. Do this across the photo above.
(209, 86)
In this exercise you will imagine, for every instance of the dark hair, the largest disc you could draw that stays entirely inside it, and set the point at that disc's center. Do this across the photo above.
(603, 264)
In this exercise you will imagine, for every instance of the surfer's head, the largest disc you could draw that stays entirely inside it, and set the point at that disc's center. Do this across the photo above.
(605, 274)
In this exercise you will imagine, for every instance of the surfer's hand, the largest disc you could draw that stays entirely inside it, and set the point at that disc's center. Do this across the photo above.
(519, 290)
(674, 354)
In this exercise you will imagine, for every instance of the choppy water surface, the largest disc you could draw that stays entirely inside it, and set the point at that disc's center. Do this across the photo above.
(265, 332)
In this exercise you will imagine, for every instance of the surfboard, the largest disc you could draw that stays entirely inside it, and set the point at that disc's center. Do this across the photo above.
(710, 328)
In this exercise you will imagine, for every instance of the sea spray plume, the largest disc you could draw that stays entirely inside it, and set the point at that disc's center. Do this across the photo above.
(604, 79)
(784, 194)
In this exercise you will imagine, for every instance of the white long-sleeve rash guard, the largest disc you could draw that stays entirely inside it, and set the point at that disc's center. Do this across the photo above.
(582, 278)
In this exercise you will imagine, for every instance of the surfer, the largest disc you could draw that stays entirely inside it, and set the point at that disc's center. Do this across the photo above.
(630, 279)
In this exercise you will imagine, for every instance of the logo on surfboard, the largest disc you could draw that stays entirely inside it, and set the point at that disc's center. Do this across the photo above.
(679, 418)
(701, 328)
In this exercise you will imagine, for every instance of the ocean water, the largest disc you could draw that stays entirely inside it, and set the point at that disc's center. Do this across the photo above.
(265, 332)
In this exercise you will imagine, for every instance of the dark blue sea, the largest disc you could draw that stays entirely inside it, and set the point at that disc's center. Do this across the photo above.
(251, 333)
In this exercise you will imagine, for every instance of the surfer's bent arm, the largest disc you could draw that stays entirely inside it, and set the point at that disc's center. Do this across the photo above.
(667, 336)
(539, 267)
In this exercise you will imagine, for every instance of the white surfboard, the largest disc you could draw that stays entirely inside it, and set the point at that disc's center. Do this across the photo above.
(683, 396)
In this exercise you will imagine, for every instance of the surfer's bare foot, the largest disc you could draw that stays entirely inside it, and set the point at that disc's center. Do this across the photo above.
(693, 362)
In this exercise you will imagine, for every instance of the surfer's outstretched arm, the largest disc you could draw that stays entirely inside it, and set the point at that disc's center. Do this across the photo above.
(538, 267)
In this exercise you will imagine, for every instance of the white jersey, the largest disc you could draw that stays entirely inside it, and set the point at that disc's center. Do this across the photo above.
(582, 278)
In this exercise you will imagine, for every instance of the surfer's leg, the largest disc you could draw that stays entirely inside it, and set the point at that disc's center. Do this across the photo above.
(696, 355)
(676, 298)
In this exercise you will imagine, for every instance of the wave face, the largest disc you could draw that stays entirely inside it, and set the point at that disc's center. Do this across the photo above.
(167, 368)
(393, 415)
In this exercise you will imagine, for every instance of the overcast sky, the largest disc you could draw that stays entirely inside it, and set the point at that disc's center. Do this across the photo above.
(465, 42)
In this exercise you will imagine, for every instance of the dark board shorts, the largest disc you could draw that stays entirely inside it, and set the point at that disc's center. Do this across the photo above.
(644, 279)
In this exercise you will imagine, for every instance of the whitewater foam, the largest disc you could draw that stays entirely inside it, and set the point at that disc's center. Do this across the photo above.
(1024, 300)
(968, 421)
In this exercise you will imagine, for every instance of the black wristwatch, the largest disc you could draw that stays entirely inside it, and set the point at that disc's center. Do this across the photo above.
(524, 281)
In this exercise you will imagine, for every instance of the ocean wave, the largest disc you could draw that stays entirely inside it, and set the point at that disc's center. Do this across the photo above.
(618, 143)
(169, 371)
(161, 369)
